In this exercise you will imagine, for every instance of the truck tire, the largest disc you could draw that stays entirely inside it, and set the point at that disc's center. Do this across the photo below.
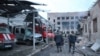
(11, 48)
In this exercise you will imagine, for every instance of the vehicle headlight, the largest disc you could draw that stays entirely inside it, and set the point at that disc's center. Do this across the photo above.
(0, 41)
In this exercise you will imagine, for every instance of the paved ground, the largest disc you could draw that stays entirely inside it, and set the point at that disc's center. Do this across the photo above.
(51, 51)
(19, 50)
(23, 50)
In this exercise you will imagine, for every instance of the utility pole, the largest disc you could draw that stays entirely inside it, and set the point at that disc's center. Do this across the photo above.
(8, 21)
(33, 30)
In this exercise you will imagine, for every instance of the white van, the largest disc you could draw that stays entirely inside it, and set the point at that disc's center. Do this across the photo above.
(26, 36)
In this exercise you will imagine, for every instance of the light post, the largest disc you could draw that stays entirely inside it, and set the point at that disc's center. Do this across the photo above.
(34, 12)
(33, 30)
(33, 24)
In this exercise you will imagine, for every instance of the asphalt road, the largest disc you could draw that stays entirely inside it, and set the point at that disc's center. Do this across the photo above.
(24, 50)
(51, 51)
(18, 50)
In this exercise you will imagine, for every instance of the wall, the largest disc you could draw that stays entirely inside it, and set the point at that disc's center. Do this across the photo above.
(94, 13)
(53, 16)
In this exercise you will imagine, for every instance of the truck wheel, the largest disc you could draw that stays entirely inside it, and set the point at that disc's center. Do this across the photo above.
(28, 43)
(10, 48)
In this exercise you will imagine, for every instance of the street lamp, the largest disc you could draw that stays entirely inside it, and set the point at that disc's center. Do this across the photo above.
(33, 23)
(34, 29)
(33, 11)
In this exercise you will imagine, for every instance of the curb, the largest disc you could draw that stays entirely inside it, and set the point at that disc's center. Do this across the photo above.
(38, 50)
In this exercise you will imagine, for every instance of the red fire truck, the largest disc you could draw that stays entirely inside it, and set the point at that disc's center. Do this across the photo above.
(42, 29)
(7, 39)
(45, 32)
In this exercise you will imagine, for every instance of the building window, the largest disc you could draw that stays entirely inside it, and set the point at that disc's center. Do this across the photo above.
(67, 17)
(76, 17)
(72, 25)
(58, 23)
(76, 24)
(72, 31)
(72, 22)
(54, 20)
(65, 25)
(85, 28)
(48, 18)
(63, 18)
(95, 25)
(58, 27)
(58, 18)
(72, 17)
(81, 17)
(67, 32)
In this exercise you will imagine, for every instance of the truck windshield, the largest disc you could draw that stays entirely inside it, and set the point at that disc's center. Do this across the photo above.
(28, 32)
(4, 30)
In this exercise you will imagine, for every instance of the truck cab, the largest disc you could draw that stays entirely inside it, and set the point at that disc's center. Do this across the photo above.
(7, 39)
(29, 36)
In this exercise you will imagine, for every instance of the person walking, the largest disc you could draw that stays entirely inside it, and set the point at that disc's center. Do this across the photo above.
(72, 39)
(59, 41)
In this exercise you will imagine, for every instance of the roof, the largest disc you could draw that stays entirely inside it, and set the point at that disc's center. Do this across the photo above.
(14, 9)
(29, 17)
(19, 2)
(96, 3)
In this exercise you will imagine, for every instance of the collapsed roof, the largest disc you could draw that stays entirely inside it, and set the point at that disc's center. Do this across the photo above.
(13, 7)
(18, 2)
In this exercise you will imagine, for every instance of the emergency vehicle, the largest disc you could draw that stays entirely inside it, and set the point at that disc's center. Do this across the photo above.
(46, 33)
(7, 39)
(26, 35)
(42, 30)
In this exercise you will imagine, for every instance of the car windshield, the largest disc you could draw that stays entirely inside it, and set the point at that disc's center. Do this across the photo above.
(29, 32)
(4, 30)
